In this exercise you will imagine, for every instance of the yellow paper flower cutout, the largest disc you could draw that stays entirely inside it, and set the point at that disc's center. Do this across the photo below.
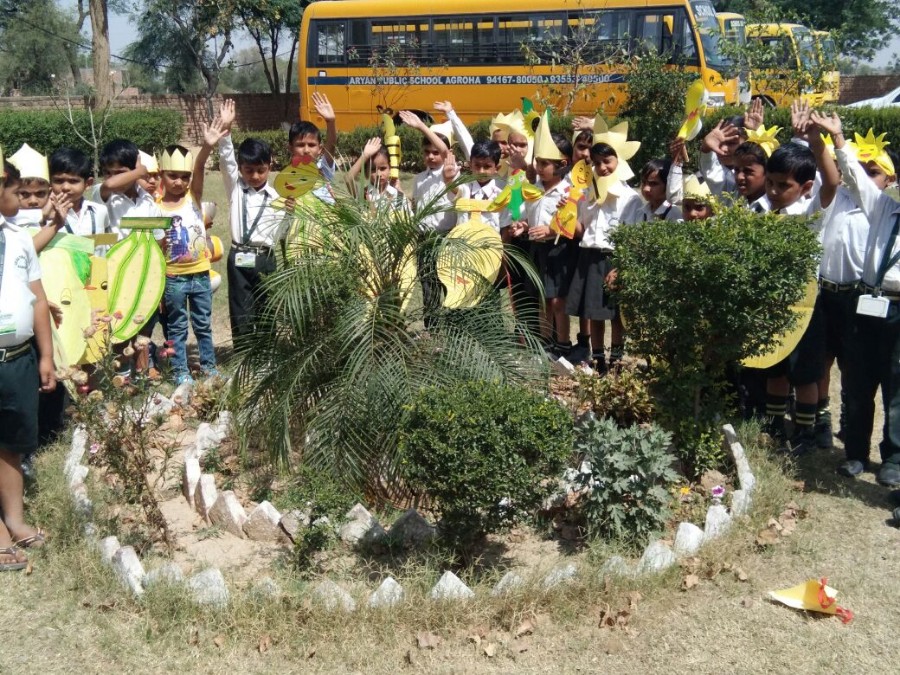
(765, 138)
(617, 138)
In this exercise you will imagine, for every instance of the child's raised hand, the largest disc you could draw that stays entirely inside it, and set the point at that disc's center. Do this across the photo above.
(227, 114)
(213, 132)
(516, 157)
(583, 124)
(451, 168)
(412, 120)
(323, 106)
(445, 107)
(755, 115)
(719, 138)
(830, 124)
(800, 120)
(61, 205)
(678, 151)
(373, 145)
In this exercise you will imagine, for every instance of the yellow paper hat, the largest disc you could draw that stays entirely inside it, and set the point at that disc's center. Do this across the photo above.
(544, 146)
(30, 163)
(617, 138)
(497, 123)
(149, 162)
(176, 158)
(765, 138)
(445, 129)
(695, 189)
(514, 123)
(870, 148)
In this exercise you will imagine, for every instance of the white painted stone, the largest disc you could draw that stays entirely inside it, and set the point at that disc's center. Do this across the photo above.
(262, 524)
(84, 507)
(167, 573)
(108, 547)
(508, 584)
(615, 566)
(90, 533)
(688, 539)
(657, 557)
(717, 522)
(293, 522)
(388, 594)
(76, 478)
(740, 502)
(228, 514)
(333, 597)
(208, 588)
(182, 393)
(561, 366)
(265, 589)
(224, 422)
(560, 575)
(451, 587)
(730, 434)
(77, 450)
(361, 527)
(159, 405)
(129, 569)
(205, 495)
(413, 529)
(190, 476)
(207, 438)
(747, 480)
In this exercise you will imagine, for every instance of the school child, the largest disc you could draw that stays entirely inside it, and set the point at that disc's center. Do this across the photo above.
(582, 140)
(598, 215)
(657, 205)
(256, 227)
(305, 141)
(717, 158)
(38, 207)
(381, 190)
(150, 180)
(790, 176)
(71, 175)
(484, 163)
(120, 191)
(873, 349)
(498, 134)
(26, 368)
(187, 256)
(554, 257)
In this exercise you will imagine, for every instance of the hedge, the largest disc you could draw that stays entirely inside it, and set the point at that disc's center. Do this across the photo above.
(45, 131)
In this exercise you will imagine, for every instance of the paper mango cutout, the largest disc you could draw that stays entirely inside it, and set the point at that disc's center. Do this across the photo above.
(392, 143)
(695, 103)
(813, 596)
(566, 219)
(295, 180)
(515, 193)
(786, 343)
(66, 269)
(137, 277)
(468, 270)
(215, 248)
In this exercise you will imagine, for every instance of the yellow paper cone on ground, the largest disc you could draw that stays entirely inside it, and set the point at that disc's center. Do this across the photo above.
(812, 596)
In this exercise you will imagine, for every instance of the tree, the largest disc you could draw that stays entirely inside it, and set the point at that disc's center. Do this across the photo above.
(273, 24)
(188, 37)
(246, 74)
(99, 10)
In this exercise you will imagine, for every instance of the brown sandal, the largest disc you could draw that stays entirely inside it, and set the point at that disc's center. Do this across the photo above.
(17, 563)
(37, 540)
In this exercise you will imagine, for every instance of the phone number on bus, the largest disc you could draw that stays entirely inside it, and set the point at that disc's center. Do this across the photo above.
(475, 79)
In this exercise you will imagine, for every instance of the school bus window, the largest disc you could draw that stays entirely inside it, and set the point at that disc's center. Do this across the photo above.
(331, 46)
(686, 48)
(512, 32)
(359, 50)
(614, 26)
(454, 40)
(549, 28)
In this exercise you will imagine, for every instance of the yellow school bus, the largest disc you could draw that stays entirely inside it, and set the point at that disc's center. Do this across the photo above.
(827, 53)
(487, 55)
(791, 68)
(734, 29)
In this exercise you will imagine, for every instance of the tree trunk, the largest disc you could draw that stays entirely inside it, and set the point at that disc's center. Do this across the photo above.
(100, 44)
(287, 80)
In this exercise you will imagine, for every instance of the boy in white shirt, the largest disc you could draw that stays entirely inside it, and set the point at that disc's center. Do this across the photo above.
(70, 176)
(484, 163)
(24, 314)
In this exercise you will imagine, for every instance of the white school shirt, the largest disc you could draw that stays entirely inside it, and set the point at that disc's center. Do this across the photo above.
(429, 189)
(326, 168)
(601, 220)
(27, 218)
(882, 213)
(92, 218)
(391, 198)
(119, 205)
(540, 212)
(490, 190)
(20, 268)
(461, 133)
(640, 212)
(719, 177)
(250, 205)
(843, 237)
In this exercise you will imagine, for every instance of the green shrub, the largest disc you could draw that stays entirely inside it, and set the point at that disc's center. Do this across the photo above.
(481, 451)
(277, 140)
(698, 296)
(623, 395)
(627, 486)
(150, 129)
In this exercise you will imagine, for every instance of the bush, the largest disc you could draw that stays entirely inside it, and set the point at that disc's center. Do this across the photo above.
(623, 395)
(150, 129)
(629, 480)
(698, 296)
(277, 140)
(481, 451)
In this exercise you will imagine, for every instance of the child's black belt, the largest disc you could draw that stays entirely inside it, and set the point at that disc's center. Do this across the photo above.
(12, 353)
(835, 287)
(263, 250)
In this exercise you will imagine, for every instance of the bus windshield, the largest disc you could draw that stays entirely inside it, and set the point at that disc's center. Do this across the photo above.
(735, 31)
(708, 27)
(805, 48)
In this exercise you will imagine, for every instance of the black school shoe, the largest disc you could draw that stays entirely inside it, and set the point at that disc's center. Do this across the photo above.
(852, 468)
(802, 443)
(889, 474)
(581, 352)
(824, 436)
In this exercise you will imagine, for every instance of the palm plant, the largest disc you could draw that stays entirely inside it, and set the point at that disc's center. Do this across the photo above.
(342, 347)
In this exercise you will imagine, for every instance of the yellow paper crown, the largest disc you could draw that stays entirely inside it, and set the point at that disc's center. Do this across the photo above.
(829, 144)
(30, 163)
(765, 138)
(445, 129)
(871, 148)
(497, 123)
(514, 123)
(176, 158)
(617, 138)
(544, 146)
(149, 162)
(696, 190)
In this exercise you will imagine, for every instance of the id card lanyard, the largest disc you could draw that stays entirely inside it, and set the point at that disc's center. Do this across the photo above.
(2, 254)
(888, 260)
(245, 234)
(80, 218)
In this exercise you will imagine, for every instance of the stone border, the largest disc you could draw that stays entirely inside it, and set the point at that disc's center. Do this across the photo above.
(265, 523)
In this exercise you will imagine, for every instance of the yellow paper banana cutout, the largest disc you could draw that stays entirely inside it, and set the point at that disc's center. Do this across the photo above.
(392, 143)
(695, 103)
(467, 272)
(64, 264)
(97, 341)
(566, 219)
(786, 343)
(137, 277)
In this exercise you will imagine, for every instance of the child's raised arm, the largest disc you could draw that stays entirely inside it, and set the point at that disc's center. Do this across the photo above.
(326, 110)
(373, 145)
(463, 137)
(864, 192)
(410, 119)
(227, 161)
(755, 115)
(121, 181)
(212, 134)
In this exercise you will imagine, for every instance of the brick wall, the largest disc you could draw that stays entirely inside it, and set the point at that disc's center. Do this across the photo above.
(254, 111)
(860, 87)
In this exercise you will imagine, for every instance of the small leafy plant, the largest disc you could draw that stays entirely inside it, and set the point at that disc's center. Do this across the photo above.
(629, 481)
(482, 451)
(622, 395)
